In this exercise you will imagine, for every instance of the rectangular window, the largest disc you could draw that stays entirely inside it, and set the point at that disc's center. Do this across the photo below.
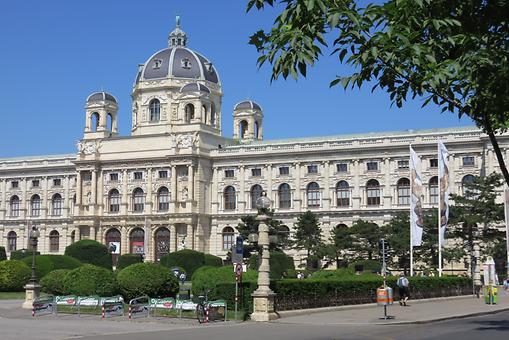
(35, 183)
(372, 166)
(433, 193)
(433, 163)
(342, 167)
(114, 176)
(14, 184)
(229, 173)
(284, 170)
(138, 175)
(57, 182)
(163, 174)
(87, 176)
(468, 161)
(256, 172)
(403, 164)
(312, 169)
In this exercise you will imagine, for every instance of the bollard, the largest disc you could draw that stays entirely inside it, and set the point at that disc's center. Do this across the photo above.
(206, 314)
(102, 311)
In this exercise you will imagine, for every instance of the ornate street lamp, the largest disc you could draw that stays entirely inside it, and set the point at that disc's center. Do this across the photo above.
(32, 288)
(476, 279)
(263, 297)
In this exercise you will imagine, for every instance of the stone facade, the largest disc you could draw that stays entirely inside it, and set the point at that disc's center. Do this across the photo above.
(176, 182)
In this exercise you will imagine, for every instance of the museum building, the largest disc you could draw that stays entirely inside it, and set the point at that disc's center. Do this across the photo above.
(175, 182)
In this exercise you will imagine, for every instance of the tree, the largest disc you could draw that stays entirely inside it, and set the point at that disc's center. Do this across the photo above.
(249, 225)
(428, 251)
(452, 53)
(366, 236)
(339, 246)
(308, 235)
(397, 234)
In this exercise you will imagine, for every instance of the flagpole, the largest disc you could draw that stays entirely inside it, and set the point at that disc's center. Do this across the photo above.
(439, 213)
(410, 219)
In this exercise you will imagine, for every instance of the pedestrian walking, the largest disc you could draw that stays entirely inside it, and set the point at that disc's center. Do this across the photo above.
(403, 285)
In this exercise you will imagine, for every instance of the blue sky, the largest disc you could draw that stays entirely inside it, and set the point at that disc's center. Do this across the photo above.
(54, 53)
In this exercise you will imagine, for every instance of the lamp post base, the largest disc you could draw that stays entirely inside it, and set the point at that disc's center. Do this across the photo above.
(32, 292)
(263, 307)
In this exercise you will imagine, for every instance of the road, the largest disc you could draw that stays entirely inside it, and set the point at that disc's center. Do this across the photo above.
(482, 327)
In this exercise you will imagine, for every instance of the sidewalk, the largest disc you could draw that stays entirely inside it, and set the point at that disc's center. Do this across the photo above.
(418, 311)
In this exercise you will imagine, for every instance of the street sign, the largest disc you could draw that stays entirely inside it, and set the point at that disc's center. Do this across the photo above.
(238, 271)
(238, 250)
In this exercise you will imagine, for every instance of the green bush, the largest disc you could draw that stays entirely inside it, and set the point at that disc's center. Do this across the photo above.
(14, 274)
(47, 263)
(213, 261)
(188, 259)
(128, 259)
(21, 254)
(90, 251)
(53, 282)
(90, 280)
(3, 255)
(149, 279)
(208, 277)
(280, 263)
(330, 274)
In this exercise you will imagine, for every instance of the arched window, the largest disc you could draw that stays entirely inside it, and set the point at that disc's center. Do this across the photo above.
(73, 236)
(228, 238)
(94, 121)
(138, 200)
(35, 206)
(14, 206)
(54, 241)
(373, 192)
(109, 124)
(243, 129)
(468, 179)
(284, 196)
(113, 242)
(204, 111)
(433, 190)
(212, 114)
(56, 205)
(155, 110)
(114, 201)
(283, 233)
(12, 240)
(343, 194)
(256, 193)
(257, 130)
(403, 191)
(137, 241)
(163, 199)
(313, 195)
(229, 198)
(189, 113)
(162, 243)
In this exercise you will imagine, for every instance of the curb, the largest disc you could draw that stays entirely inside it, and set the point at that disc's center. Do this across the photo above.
(295, 312)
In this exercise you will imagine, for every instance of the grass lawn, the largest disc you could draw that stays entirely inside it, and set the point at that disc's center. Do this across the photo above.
(12, 295)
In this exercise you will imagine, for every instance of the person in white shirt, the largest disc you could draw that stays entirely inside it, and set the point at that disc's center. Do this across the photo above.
(403, 289)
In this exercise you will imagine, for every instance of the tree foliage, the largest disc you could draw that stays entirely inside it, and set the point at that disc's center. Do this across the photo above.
(337, 249)
(452, 53)
(365, 239)
(308, 235)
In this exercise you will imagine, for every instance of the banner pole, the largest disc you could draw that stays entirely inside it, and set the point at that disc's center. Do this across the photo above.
(439, 212)
(411, 200)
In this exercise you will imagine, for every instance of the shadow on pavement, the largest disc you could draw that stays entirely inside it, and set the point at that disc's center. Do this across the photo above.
(492, 325)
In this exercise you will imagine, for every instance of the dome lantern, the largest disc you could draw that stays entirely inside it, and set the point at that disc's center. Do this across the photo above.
(177, 37)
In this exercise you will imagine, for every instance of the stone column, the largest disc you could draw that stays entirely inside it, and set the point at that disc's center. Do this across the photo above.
(387, 194)
(100, 204)
(173, 238)
(66, 197)
(241, 197)
(125, 194)
(94, 192)
(173, 189)
(124, 240)
(326, 199)
(149, 199)
(297, 196)
(189, 236)
(190, 182)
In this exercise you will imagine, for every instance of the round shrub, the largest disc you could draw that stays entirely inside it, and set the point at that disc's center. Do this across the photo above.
(14, 275)
(21, 254)
(90, 251)
(90, 280)
(53, 282)
(188, 259)
(128, 259)
(147, 278)
(208, 277)
(3, 255)
(47, 263)
(213, 261)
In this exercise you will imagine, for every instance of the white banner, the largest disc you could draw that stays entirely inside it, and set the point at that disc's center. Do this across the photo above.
(443, 186)
(416, 217)
(506, 206)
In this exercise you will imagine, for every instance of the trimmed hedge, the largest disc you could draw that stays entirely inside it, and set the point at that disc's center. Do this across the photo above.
(128, 259)
(14, 274)
(188, 259)
(208, 277)
(368, 265)
(312, 293)
(47, 263)
(213, 261)
(147, 278)
(21, 254)
(3, 254)
(90, 280)
(280, 263)
(90, 251)
(53, 282)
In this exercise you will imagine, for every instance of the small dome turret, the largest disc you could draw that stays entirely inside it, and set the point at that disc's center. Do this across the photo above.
(101, 96)
(247, 105)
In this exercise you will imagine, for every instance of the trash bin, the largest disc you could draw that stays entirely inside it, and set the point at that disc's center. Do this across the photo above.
(382, 296)
(494, 295)
(490, 295)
